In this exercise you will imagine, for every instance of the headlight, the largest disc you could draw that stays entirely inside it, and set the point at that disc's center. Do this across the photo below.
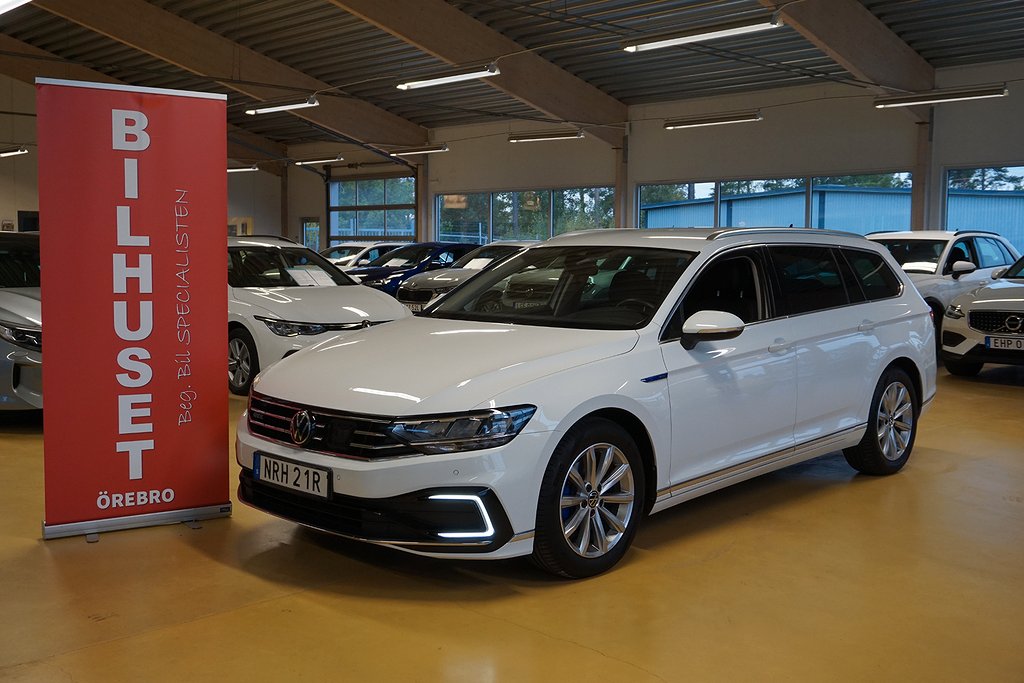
(373, 283)
(30, 338)
(286, 328)
(464, 432)
(954, 311)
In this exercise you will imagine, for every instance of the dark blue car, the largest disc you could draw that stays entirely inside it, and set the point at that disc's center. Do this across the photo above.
(389, 271)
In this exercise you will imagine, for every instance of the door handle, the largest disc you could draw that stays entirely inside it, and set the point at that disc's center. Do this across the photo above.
(866, 326)
(778, 346)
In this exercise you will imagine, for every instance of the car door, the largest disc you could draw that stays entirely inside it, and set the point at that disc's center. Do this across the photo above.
(964, 250)
(831, 333)
(732, 401)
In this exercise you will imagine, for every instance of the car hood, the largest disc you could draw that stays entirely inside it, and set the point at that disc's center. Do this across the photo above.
(439, 279)
(1001, 295)
(342, 304)
(377, 272)
(21, 305)
(420, 366)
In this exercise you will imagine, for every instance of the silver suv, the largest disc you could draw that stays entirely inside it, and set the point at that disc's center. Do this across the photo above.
(944, 265)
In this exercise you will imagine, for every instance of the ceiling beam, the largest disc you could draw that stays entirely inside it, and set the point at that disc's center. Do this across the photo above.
(164, 35)
(33, 63)
(444, 31)
(861, 43)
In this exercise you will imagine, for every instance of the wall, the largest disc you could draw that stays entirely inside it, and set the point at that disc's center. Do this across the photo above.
(978, 133)
(258, 195)
(18, 189)
(827, 129)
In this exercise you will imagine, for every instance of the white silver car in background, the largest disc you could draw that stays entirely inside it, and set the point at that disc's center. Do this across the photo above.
(283, 297)
(986, 325)
(420, 290)
(21, 324)
(354, 254)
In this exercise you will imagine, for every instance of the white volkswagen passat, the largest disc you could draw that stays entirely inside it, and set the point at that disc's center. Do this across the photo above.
(551, 430)
(283, 297)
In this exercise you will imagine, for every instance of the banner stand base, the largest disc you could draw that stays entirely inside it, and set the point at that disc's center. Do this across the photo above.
(135, 521)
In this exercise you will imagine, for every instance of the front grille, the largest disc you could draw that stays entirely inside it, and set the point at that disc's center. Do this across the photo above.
(414, 296)
(1000, 322)
(348, 435)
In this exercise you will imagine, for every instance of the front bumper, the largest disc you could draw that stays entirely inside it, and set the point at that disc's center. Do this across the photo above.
(450, 520)
(21, 378)
(394, 501)
(963, 344)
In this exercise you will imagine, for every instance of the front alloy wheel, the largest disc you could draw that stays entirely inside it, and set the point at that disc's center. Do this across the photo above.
(597, 500)
(243, 363)
(591, 500)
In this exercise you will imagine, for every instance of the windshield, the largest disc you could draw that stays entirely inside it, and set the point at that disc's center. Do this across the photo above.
(591, 287)
(480, 257)
(19, 263)
(1016, 270)
(281, 267)
(916, 256)
(403, 257)
(340, 252)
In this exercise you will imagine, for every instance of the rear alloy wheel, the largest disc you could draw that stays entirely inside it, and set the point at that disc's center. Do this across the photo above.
(590, 502)
(892, 426)
(243, 361)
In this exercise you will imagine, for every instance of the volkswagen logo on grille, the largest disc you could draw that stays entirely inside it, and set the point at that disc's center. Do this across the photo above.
(1014, 323)
(302, 426)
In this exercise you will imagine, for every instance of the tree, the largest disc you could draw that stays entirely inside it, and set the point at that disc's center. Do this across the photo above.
(985, 179)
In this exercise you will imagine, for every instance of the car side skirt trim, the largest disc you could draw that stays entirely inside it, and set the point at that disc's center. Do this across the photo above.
(762, 465)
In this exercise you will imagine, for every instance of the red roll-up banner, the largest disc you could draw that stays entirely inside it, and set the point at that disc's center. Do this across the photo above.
(133, 203)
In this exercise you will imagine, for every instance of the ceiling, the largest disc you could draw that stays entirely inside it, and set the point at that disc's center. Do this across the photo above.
(561, 60)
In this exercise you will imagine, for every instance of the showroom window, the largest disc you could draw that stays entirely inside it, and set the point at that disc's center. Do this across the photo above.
(854, 203)
(372, 208)
(523, 215)
(990, 198)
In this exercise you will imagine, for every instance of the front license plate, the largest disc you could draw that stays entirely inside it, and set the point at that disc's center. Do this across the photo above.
(291, 475)
(415, 308)
(1005, 343)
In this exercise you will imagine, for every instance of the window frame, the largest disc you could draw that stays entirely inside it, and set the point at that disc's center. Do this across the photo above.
(358, 208)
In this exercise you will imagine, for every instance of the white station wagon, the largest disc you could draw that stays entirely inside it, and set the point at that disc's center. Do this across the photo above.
(660, 365)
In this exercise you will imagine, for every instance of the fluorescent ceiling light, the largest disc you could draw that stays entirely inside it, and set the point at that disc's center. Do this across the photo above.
(542, 135)
(320, 161)
(735, 28)
(490, 70)
(936, 96)
(412, 151)
(244, 169)
(713, 120)
(14, 152)
(8, 5)
(311, 101)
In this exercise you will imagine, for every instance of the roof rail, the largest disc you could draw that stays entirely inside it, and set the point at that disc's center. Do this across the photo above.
(984, 232)
(726, 232)
(268, 237)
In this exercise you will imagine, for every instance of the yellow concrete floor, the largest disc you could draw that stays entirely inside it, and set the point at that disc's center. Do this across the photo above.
(809, 574)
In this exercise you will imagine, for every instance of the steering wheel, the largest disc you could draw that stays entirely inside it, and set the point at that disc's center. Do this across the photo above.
(644, 305)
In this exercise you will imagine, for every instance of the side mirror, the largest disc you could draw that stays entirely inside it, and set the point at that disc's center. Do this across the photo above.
(998, 273)
(710, 326)
(363, 262)
(963, 268)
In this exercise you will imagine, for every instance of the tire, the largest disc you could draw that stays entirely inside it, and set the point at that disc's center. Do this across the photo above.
(243, 361)
(962, 368)
(580, 531)
(889, 438)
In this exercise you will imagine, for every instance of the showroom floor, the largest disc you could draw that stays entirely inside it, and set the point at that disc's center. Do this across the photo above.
(808, 574)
